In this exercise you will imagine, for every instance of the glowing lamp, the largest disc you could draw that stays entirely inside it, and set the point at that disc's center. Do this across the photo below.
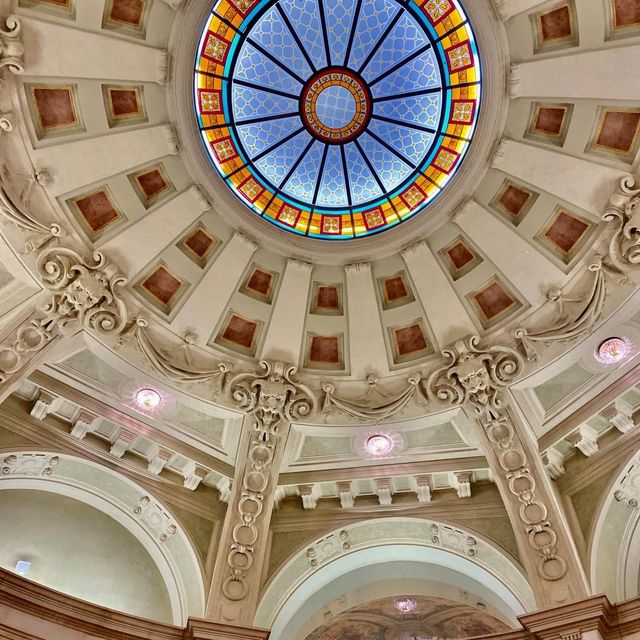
(148, 399)
(405, 605)
(379, 445)
(613, 350)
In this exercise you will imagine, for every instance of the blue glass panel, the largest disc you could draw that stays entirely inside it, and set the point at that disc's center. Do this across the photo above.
(339, 16)
(305, 19)
(302, 183)
(411, 143)
(335, 107)
(390, 169)
(375, 15)
(405, 38)
(258, 69)
(363, 185)
(273, 35)
(251, 103)
(276, 165)
(423, 110)
(262, 135)
(333, 191)
(420, 73)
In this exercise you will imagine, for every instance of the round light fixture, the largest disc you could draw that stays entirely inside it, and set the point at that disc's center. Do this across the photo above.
(613, 350)
(379, 445)
(405, 605)
(148, 399)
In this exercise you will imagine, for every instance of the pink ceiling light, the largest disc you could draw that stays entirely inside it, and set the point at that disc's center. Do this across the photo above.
(379, 445)
(148, 399)
(405, 605)
(613, 350)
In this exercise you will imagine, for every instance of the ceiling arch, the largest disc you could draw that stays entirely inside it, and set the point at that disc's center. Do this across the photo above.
(124, 502)
(361, 553)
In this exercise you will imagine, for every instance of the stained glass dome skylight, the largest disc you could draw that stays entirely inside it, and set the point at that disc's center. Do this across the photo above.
(337, 119)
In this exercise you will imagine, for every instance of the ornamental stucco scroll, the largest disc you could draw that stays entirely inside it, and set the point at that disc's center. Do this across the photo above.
(84, 293)
(370, 408)
(270, 398)
(477, 378)
(624, 213)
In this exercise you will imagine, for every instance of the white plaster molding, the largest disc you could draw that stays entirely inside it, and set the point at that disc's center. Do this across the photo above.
(174, 4)
(553, 461)
(162, 66)
(328, 548)
(11, 47)
(585, 439)
(384, 491)
(155, 518)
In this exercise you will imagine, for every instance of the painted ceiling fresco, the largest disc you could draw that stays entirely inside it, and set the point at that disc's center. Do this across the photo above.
(433, 618)
(337, 119)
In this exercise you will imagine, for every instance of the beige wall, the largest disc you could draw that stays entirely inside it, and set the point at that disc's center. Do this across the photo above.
(76, 549)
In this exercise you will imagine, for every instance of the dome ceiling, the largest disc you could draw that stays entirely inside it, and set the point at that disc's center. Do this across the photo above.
(337, 120)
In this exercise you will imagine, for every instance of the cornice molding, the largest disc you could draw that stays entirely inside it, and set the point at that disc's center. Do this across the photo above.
(55, 607)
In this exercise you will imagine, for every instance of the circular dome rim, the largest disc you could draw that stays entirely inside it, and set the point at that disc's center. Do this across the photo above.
(492, 45)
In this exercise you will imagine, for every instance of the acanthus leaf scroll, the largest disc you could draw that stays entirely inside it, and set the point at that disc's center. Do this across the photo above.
(624, 212)
(85, 293)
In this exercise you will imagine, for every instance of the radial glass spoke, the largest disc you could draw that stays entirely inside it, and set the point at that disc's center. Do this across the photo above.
(422, 110)
(302, 183)
(249, 103)
(274, 36)
(339, 15)
(405, 38)
(333, 190)
(364, 186)
(254, 67)
(276, 165)
(374, 18)
(411, 143)
(419, 73)
(260, 136)
(304, 16)
(389, 168)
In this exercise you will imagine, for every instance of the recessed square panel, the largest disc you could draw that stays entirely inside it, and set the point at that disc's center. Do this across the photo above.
(409, 342)
(95, 211)
(617, 131)
(493, 302)
(565, 234)
(324, 351)
(460, 257)
(124, 104)
(259, 284)
(126, 16)
(550, 122)
(556, 28)
(151, 184)
(326, 299)
(513, 201)
(623, 18)
(239, 333)
(161, 287)
(54, 109)
(198, 244)
(395, 290)
(62, 8)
